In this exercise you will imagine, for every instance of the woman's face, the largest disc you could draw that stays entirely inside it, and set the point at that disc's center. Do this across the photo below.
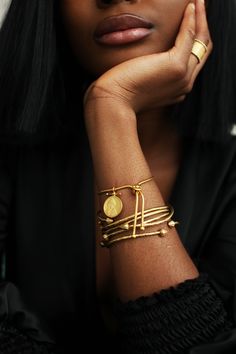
(105, 33)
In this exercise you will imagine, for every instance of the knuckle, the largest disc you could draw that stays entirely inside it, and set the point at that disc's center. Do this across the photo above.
(185, 82)
(205, 37)
(204, 34)
(191, 33)
(180, 99)
(210, 45)
(179, 69)
(188, 88)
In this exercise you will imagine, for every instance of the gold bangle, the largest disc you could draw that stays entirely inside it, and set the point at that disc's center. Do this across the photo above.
(152, 222)
(107, 242)
(125, 186)
(148, 212)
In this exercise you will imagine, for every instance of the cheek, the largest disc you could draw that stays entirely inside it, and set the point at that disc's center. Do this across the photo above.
(170, 18)
(79, 23)
(76, 18)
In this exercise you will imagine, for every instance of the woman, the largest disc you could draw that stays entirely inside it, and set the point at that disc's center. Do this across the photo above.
(160, 142)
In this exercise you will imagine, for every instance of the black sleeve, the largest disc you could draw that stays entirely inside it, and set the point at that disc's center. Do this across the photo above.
(173, 321)
(198, 316)
(19, 330)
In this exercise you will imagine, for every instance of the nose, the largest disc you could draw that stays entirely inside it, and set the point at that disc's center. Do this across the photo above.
(104, 3)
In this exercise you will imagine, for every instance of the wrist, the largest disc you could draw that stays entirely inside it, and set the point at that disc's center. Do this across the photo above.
(107, 96)
(108, 111)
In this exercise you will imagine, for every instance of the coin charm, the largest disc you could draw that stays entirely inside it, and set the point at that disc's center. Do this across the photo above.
(112, 206)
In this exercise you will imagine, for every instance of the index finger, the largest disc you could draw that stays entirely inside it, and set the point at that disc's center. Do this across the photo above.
(202, 30)
(186, 35)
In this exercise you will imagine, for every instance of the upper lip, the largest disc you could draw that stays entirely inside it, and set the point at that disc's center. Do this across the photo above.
(120, 23)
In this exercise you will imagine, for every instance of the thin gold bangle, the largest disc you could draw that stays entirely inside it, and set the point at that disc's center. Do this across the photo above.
(160, 233)
(116, 231)
(120, 221)
(131, 218)
(125, 186)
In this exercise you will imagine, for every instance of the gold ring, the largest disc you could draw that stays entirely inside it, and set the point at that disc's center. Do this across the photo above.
(199, 49)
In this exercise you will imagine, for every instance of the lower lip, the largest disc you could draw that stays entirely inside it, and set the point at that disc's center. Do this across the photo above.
(130, 35)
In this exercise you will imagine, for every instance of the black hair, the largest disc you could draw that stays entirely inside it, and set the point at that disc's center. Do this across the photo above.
(27, 65)
(35, 87)
(209, 110)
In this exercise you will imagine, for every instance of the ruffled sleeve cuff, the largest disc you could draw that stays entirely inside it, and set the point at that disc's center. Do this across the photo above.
(172, 321)
(20, 331)
(13, 341)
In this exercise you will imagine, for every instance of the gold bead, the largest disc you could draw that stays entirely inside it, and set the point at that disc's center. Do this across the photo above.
(172, 223)
(163, 232)
(105, 237)
(109, 221)
(124, 227)
(142, 228)
(136, 188)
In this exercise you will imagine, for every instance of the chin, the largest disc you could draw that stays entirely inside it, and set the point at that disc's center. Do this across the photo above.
(107, 58)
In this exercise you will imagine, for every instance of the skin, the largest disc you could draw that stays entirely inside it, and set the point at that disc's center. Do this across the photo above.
(126, 114)
(82, 17)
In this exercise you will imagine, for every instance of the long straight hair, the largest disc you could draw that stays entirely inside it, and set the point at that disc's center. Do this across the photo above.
(35, 85)
(28, 65)
(209, 111)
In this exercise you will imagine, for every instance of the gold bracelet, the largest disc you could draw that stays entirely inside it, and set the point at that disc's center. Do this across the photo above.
(128, 225)
(166, 217)
(111, 232)
(113, 205)
(149, 212)
(161, 233)
(108, 224)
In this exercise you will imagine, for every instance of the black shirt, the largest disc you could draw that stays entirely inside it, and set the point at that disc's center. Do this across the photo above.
(47, 237)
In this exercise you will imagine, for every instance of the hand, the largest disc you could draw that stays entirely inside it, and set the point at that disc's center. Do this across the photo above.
(161, 79)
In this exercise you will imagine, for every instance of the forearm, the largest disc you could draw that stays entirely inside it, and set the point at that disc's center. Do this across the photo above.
(117, 155)
(141, 266)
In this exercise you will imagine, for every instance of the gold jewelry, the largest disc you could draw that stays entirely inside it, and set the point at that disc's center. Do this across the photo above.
(113, 205)
(121, 226)
(147, 213)
(199, 49)
(107, 241)
(112, 231)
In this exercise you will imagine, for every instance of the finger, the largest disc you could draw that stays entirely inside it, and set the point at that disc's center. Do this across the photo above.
(202, 31)
(203, 34)
(186, 35)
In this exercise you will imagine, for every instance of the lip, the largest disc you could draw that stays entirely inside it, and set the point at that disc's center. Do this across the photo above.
(122, 29)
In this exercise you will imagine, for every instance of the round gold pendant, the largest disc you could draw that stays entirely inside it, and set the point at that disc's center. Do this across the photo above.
(112, 206)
